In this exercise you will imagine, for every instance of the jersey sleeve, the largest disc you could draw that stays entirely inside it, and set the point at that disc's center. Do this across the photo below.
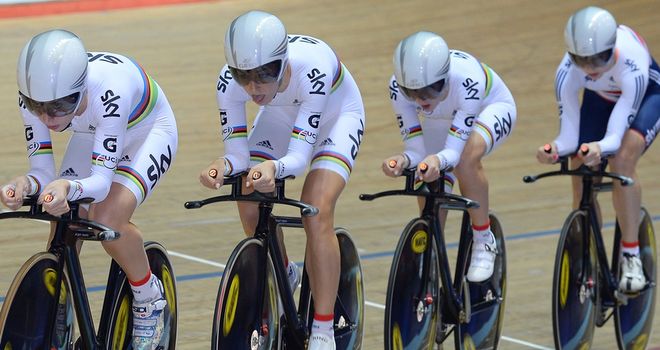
(231, 100)
(634, 81)
(39, 150)
(315, 88)
(567, 88)
(109, 139)
(471, 92)
(407, 118)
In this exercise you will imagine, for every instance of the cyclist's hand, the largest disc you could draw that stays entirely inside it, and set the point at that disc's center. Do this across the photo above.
(53, 197)
(212, 176)
(13, 193)
(547, 154)
(589, 153)
(394, 165)
(432, 171)
(262, 177)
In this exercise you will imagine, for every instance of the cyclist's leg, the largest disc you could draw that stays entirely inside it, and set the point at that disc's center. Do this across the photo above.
(492, 127)
(334, 155)
(628, 199)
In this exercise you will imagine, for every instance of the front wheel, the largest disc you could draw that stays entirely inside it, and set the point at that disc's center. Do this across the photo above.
(119, 334)
(487, 302)
(33, 316)
(349, 305)
(247, 312)
(412, 299)
(634, 320)
(574, 285)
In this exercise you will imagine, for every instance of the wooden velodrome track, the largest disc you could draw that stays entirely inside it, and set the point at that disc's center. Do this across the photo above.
(181, 47)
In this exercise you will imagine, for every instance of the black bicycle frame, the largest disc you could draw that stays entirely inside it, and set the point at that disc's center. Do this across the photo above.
(591, 226)
(437, 199)
(63, 246)
(266, 232)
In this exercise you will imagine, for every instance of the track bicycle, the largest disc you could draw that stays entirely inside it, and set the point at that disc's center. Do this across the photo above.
(255, 306)
(585, 286)
(423, 304)
(48, 293)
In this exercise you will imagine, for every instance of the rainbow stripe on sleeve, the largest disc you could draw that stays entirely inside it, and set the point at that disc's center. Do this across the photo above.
(44, 148)
(334, 157)
(238, 131)
(147, 101)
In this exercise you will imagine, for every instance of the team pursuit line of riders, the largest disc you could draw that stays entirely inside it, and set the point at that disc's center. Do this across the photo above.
(451, 108)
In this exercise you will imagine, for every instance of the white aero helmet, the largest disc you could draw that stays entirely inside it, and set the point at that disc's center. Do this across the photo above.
(421, 60)
(52, 65)
(590, 31)
(255, 39)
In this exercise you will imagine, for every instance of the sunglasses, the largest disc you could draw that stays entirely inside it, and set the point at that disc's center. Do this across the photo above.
(595, 61)
(426, 93)
(266, 74)
(56, 108)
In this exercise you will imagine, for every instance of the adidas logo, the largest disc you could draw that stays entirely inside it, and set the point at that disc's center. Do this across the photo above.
(266, 144)
(69, 172)
(125, 158)
(327, 142)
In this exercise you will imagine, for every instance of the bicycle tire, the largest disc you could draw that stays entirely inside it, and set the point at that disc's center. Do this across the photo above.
(119, 334)
(349, 305)
(410, 317)
(487, 300)
(242, 280)
(29, 304)
(633, 321)
(574, 302)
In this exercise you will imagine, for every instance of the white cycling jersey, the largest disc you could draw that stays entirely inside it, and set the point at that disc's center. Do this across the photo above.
(319, 117)
(624, 84)
(126, 134)
(477, 97)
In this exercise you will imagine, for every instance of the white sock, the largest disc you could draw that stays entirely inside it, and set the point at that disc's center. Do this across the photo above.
(323, 324)
(147, 289)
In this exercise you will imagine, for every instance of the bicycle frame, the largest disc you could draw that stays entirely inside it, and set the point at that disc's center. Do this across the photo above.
(69, 229)
(453, 307)
(265, 230)
(591, 227)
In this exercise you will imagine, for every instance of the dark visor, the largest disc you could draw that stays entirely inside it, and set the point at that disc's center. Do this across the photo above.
(426, 93)
(595, 61)
(55, 108)
(268, 73)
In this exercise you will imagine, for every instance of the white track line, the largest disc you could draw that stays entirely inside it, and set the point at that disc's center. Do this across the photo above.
(366, 302)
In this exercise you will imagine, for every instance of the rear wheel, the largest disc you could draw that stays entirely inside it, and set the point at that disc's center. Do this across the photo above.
(487, 302)
(574, 285)
(247, 307)
(349, 306)
(412, 299)
(633, 321)
(33, 316)
(120, 330)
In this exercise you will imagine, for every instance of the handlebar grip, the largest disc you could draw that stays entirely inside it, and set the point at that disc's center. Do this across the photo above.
(10, 193)
(48, 198)
(547, 148)
(423, 167)
(213, 173)
(366, 197)
(392, 163)
(529, 178)
(256, 175)
(193, 205)
(584, 149)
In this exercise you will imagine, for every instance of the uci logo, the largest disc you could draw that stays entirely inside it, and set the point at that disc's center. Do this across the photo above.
(110, 144)
(308, 136)
(107, 161)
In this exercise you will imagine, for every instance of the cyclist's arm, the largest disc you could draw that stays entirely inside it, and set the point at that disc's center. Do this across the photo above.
(231, 100)
(567, 88)
(407, 120)
(39, 150)
(633, 88)
(309, 119)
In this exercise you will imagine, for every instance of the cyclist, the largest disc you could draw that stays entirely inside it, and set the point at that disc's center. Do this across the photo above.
(310, 109)
(618, 116)
(124, 139)
(467, 112)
